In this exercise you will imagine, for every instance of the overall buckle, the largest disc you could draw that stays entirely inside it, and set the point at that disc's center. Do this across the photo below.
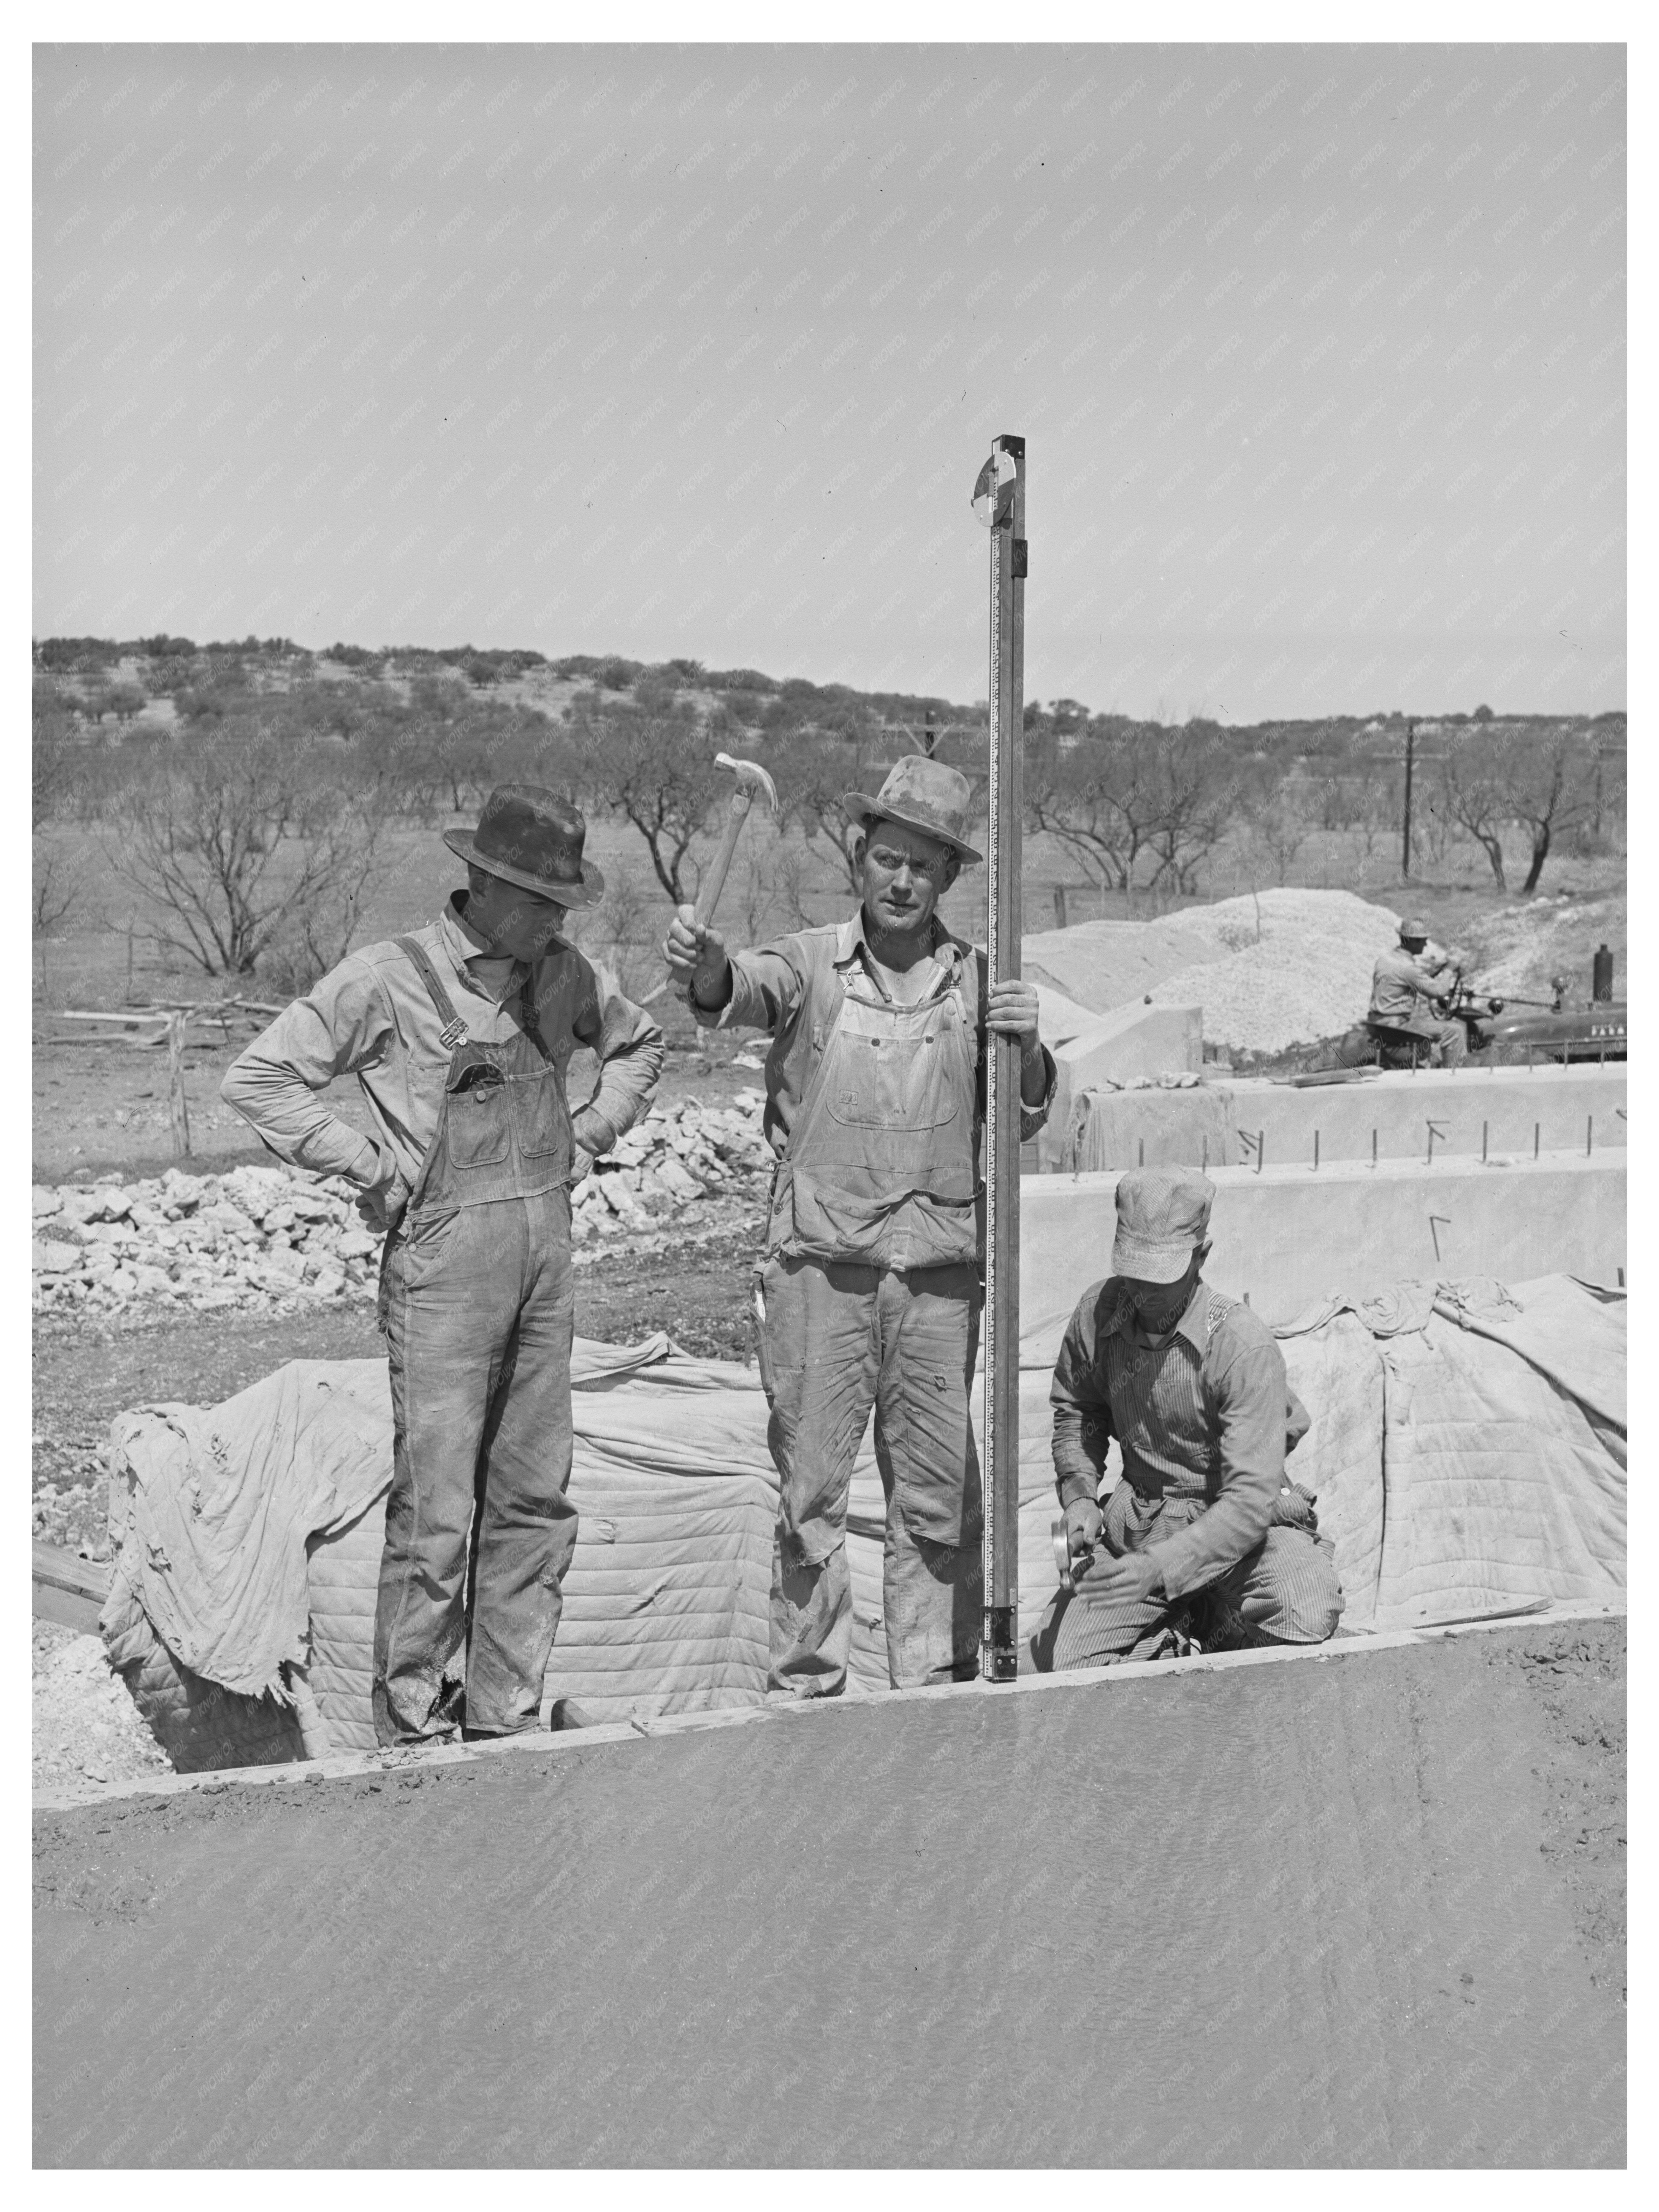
(452, 1033)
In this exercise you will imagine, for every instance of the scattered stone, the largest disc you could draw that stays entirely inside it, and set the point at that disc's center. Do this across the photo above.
(262, 1236)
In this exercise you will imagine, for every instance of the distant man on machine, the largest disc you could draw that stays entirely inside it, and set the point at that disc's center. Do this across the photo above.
(460, 1036)
(1408, 985)
(1203, 1542)
(869, 1291)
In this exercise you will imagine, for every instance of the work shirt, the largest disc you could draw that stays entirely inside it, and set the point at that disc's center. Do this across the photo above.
(1201, 1419)
(374, 1017)
(1402, 985)
(793, 988)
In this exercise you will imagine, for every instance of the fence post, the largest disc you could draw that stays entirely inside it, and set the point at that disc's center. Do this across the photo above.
(178, 1103)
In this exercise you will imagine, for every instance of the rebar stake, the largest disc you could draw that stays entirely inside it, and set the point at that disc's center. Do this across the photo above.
(1534, 1139)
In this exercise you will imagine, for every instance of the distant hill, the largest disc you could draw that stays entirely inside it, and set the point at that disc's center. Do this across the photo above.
(141, 680)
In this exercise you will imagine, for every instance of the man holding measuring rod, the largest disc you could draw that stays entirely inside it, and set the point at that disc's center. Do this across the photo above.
(869, 1290)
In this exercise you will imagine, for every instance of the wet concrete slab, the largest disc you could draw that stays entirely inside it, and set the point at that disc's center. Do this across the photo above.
(1278, 1915)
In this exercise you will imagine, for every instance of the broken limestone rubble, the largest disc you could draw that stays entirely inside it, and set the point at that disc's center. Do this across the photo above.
(263, 1233)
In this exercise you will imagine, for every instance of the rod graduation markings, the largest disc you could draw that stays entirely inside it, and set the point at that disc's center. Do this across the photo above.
(999, 499)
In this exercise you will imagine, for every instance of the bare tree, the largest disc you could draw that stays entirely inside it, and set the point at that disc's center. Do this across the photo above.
(1378, 817)
(822, 767)
(244, 844)
(625, 931)
(1552, 779)
(789, 874)
(1283, 814)
(658, 772)
(57, 884)
(1474, 794)
(57, 761)
(1193, 786)
(1092, 797)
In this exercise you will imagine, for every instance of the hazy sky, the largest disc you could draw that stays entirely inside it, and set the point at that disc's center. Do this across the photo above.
(1319, 353)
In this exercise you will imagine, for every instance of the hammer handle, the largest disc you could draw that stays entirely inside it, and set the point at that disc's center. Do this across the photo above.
(715, 882)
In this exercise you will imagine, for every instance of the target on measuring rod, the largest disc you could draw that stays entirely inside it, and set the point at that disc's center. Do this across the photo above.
(994, 490)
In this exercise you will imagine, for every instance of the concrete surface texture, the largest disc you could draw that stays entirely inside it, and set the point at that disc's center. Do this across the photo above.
(1118, 1047)
(1313, 1912)
(1500, 1110)
(1288, 1234)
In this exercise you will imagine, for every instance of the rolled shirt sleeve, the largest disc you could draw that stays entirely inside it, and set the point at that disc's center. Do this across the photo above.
(630, 1048)
(1249, 1399)
(766, 988)
(342, 1024)
(1082, 1414)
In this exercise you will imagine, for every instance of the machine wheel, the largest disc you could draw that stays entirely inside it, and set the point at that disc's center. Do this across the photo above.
(1356, 1049)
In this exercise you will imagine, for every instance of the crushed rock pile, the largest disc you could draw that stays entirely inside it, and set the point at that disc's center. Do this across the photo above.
(253, 1236)
(273, 1237)
(680, 1153)
(1522, 947)
(86, 1728)
(1280, 968)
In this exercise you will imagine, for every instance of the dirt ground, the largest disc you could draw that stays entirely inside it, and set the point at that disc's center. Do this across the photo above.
(1356, 1911)
(695, 1286)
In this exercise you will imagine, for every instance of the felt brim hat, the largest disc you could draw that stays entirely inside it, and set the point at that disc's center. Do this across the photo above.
(920, 794)
(532, 839)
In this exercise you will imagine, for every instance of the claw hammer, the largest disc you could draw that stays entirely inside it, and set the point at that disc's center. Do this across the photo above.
(751, 777)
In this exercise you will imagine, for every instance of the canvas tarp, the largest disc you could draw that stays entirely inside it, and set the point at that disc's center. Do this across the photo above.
(1466, 1448)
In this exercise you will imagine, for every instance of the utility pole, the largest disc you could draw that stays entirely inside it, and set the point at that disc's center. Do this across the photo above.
(1406, 841)
(1000, 503)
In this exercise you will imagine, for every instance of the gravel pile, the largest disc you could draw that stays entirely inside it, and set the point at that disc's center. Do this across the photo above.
(277, 1238)
(86, 1728)
(1282, 968)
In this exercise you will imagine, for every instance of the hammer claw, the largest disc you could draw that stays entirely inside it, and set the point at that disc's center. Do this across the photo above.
(751, 777)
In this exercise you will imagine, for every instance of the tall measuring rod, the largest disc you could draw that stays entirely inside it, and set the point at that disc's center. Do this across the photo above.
(1000, 503)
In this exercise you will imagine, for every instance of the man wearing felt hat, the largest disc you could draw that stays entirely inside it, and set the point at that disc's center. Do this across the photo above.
(459, 1036)
(1407, 985)
(1203, 1539)
(869, 1291)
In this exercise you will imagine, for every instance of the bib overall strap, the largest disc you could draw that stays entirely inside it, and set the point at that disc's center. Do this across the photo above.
(455, 1029)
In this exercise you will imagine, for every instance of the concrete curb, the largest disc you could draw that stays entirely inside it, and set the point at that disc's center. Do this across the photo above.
(344, 1767)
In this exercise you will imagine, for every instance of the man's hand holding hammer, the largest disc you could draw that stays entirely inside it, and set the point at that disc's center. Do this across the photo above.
(692, 948)
(696, 956)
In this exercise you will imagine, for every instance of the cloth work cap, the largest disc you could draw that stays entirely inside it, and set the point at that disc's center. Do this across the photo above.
(1414, 925)
(929, 795)
(532, 839)
(1162, 1216)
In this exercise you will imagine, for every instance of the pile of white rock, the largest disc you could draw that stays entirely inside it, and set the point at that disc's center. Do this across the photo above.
(680, 1153)
(253, 1236)
(262, 1236)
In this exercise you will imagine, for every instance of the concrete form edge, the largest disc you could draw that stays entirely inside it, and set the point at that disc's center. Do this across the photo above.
(344, 1766)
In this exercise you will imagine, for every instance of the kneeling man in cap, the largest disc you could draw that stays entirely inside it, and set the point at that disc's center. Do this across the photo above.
(1203, 1539)
(460, 1036)
(869, 1291)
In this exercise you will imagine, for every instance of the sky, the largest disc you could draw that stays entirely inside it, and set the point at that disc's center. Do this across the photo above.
(1319, 353)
